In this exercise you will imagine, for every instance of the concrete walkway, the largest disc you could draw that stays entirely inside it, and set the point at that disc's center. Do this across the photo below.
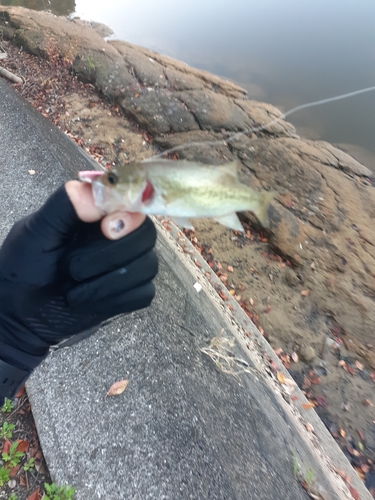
(183, 429)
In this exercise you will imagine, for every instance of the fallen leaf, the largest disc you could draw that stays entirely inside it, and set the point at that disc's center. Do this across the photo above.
(230, 269)
(308, 406)
(353, 492)
(360, 434)
(305, 293)
(252, 303)
(295, 357)
(341, 363)
(20, 392)
(280, 377)
(359, 365)
(367, 402)
(342, 433)
(309, 427)
(22, 481)
(12, 483)
(118, 388)
(343, 475)
(278, 351)
(294, 398)
(232, 292)
(349, 369)
(14, 471)
(359, 472)
(34, 496)
(273, 367)
(22, 446)
(6, 446)
(365, 468)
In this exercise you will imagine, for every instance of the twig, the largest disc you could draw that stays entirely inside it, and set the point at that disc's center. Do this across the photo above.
(26, 398)
(10, 76)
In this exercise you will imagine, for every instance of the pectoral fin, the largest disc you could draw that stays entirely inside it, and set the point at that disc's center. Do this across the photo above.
(231, 221)
(230, 168)
(182, 222)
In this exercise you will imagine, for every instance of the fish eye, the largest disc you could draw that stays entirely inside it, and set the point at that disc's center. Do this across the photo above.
(112, 178)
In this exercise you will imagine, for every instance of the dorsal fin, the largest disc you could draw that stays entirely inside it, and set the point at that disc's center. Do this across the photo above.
(230, 168)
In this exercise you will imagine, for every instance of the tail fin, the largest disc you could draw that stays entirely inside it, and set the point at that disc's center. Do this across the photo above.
(265, 199)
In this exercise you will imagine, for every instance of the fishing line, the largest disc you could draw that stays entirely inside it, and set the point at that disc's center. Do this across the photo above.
(262, 127)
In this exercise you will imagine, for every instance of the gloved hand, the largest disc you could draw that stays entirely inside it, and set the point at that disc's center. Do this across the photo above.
(60, 276)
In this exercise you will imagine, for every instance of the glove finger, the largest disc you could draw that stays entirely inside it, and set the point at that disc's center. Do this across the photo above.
(115, 282)
(32, 247)
(96, 255)
(138, 298)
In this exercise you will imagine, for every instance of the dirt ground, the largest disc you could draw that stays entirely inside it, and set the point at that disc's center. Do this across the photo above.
(270, 288)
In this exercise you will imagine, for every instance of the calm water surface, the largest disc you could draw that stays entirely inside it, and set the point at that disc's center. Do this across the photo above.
(286, 53)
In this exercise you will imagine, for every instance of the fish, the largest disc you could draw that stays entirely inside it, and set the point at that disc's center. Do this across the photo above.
(179, 189)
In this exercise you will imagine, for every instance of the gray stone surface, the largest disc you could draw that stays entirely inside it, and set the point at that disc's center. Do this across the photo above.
(183, 428)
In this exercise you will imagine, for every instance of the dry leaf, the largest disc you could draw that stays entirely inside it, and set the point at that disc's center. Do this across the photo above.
(305, 293)
(308, 406)
(280, 377)
(359, 365)
(341, 363)
(309, 427)
(353, 492)
(34, 496)
(230, 269)
(367, 402)
(6, 446)
(251, 301)
(295, 357)
(22, 481)
(232, 292)
(14, 471)
(342, 433)
(22, 446)
(278, 351)
(20, 392)
(118, 388)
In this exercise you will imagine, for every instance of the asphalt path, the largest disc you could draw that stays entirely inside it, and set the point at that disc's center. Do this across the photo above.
(183, 429)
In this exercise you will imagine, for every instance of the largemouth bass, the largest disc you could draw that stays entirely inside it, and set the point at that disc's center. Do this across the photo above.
(180, 190)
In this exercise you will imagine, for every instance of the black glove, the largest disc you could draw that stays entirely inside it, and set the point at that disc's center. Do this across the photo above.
(60, 276)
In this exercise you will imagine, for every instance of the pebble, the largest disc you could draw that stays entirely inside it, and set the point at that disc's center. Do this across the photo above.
(307, 353)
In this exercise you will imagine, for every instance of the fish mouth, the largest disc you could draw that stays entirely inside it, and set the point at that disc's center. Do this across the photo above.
(148, 193)
(89, 175)
(103, 197)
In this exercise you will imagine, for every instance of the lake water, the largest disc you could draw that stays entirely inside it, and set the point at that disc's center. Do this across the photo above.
(286, 52)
